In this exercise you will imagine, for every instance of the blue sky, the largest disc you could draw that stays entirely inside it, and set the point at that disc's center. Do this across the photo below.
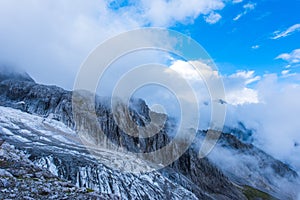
(236, 33)
(246, 43)
(241, 37)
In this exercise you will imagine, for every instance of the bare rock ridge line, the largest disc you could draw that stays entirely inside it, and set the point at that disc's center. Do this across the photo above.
(189, 175)
(45, 100)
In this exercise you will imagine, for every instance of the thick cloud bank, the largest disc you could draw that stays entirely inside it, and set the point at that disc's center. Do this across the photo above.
(268, 105)
(51, 39)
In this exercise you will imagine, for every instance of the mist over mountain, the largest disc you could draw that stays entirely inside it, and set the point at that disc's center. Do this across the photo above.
(150, 99)
(12, 73)
(38, 121)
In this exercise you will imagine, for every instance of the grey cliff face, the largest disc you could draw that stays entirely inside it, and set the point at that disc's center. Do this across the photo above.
(188, 177)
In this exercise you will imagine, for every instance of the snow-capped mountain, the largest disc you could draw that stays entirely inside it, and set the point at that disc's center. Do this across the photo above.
(38, 120)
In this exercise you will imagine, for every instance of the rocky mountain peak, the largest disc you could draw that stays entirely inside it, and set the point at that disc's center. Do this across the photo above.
(12, 73)
(40, 119)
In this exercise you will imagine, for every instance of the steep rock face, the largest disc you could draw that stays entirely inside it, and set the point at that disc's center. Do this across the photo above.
(200, 176)
(203, 176)
(37, 99)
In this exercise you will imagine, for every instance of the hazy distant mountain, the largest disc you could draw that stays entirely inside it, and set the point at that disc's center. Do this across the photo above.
(13, 74)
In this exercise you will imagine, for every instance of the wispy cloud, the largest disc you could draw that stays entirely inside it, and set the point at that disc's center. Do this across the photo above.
(213, 18)
(280, 34)
(247, 8)
(237, 17)
(291, 58)
(255, 46)
(237, 1)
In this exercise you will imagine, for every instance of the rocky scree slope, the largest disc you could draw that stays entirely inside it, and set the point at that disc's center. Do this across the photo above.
(20, 179)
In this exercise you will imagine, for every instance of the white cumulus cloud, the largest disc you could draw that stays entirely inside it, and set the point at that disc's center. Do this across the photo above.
(292, 57)
(237, 91)
(274, 118)
(269, 105)
(213, 18)
(50, 39)
(166, 13)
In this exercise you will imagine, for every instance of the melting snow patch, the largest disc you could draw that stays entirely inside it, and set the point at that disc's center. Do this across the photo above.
(62, 139)
(59, 126)
(21, 139)
(44, 138)
(39, 144)
(23, 131)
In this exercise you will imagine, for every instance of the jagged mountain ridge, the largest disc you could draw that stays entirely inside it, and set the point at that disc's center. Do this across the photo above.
(43, 100)
(198, 176)
(13, 74)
